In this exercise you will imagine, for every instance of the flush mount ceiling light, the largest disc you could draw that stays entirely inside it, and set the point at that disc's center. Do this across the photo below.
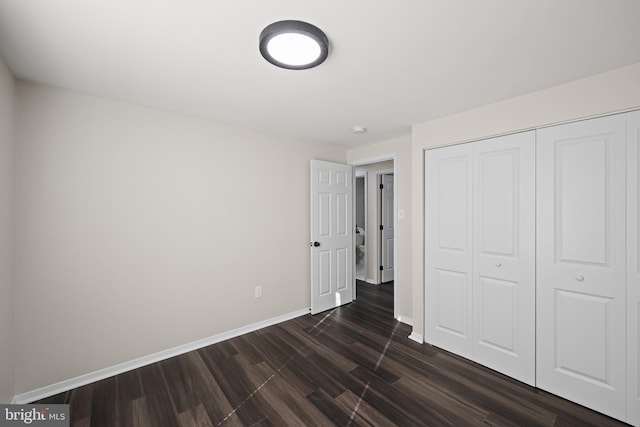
(294, 45)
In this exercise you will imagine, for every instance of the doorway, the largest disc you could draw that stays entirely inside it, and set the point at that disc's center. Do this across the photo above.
(375, 224)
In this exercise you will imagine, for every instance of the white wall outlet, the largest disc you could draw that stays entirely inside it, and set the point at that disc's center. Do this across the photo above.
(258, 292)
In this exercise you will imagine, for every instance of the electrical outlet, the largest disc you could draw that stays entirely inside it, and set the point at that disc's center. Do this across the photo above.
(258, 292)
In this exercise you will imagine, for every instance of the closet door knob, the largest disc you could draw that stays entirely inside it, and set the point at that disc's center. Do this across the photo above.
(579, 277)
(498, 264)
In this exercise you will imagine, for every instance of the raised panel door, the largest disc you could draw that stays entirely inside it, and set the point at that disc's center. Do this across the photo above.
(448, 254)
(331, 235)
(388, 232)
(581, 237)
(504, 255)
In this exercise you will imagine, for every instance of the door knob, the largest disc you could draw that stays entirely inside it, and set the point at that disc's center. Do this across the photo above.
(316, 244)
(498, 264)
(579, 277)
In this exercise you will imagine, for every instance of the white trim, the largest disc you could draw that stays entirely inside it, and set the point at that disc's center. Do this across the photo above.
(101, 374)
(536, 127)
(396, 233)
(405, 319)
(375, 159)
(416, 337)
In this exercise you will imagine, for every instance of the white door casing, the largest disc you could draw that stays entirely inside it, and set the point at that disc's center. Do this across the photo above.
(504, 255)
(332, 235)
(448, 248)
(387, 232)
(633, 268)
(581, 263)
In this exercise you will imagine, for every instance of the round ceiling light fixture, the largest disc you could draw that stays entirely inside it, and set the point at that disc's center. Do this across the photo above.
(294, 45)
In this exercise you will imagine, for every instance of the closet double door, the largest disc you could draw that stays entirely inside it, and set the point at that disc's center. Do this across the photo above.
(552, 299)
(480, 252)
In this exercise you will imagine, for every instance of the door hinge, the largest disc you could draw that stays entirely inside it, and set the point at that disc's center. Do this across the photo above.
(381, 268)
(381, 227)
(381, 186)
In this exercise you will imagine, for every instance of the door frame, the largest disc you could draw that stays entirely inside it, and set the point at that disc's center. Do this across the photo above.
(367, 161)
(379, 175)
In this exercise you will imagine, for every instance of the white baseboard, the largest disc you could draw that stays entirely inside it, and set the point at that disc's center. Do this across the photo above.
(416, 337)
(406, 320)
(71, 383)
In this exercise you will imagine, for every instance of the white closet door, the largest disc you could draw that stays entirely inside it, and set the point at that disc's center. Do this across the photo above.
(448, 253)
(633, 268)
(504, 255)
(581, 306)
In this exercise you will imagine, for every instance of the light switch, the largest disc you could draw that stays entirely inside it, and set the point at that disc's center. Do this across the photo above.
(400, 213)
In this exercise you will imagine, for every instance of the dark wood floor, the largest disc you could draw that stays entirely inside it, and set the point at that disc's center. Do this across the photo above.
(350, 366)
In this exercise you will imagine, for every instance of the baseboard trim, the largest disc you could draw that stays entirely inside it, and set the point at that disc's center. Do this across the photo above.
(406, 320)
(416, 337)
(79, 381)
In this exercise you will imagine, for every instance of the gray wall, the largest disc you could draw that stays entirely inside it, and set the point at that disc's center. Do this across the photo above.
(360, 211)
(7, 96)
(139, 230)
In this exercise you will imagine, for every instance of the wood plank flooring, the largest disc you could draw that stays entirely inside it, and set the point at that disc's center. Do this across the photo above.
(350, 366)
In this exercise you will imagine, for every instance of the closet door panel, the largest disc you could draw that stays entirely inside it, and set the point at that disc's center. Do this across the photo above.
(633, 268)
(448, 253)
(581, 263)
(504, 255)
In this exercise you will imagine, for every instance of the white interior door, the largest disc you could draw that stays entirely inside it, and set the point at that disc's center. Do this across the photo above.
(504, 255)
(332, 231)
(581, 322)
(448, 253)
(387, 232)
(633, 268)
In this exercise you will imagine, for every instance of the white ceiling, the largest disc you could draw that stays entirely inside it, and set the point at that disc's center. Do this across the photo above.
(392, 63)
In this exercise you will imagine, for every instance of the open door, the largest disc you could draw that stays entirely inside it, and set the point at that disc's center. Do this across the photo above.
(332, 234)
(386, 228)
